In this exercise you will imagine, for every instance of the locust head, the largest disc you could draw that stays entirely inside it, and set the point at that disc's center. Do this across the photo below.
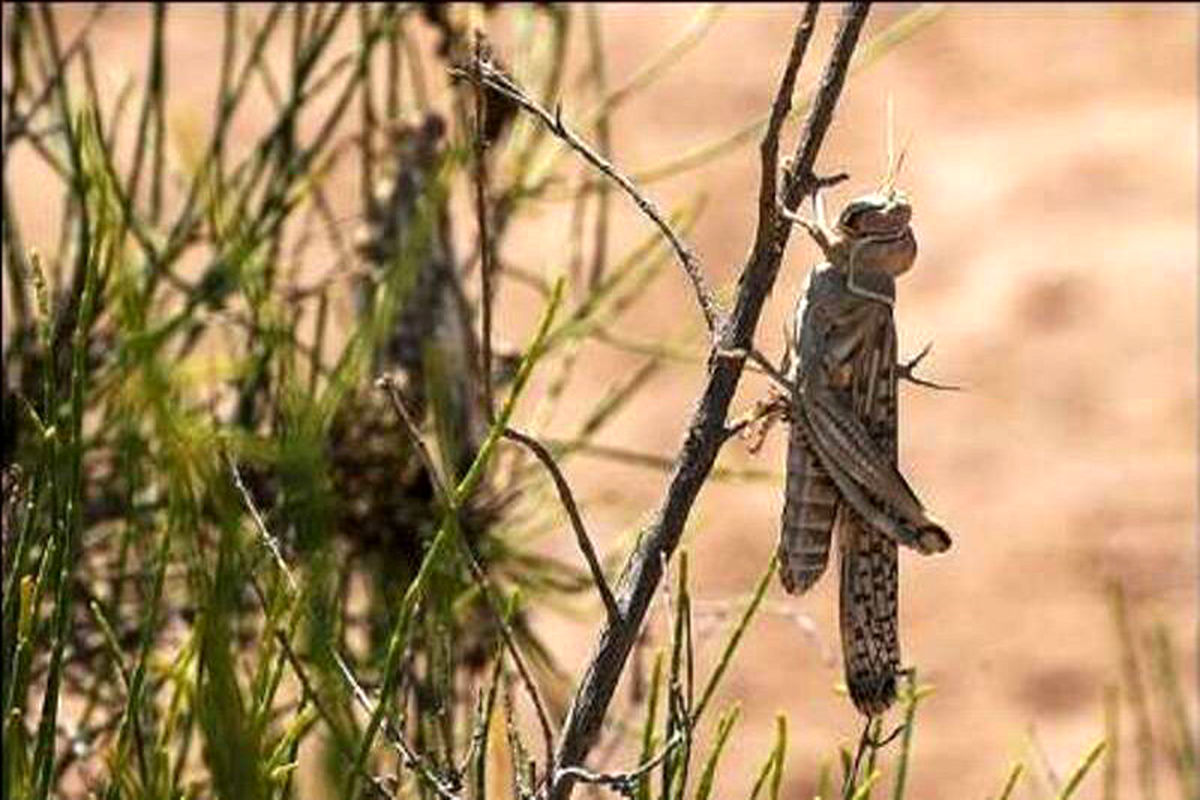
(872, 238)
(873, 233)
(872, 242)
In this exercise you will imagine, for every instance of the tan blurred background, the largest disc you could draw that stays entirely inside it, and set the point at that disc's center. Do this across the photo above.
(1053, 171)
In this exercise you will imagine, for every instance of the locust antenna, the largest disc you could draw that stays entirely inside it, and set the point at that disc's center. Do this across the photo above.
(900, 158)
(889, 182)
(895, 160)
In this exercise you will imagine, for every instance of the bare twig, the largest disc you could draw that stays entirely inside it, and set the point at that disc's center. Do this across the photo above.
(706, 432)
(388, 384)
(638, 458)
(451, 504)
(763, 364)
(486, 254)
(623, 782)
(867, 743)
(499, 82)
(510, 641)
(769, 149)
(412, 760)
(568, 501)
(311, 693)
(268, 540)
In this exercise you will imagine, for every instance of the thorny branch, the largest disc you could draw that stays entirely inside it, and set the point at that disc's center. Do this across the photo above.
(388, 384)
(310, 692)
(499, 82)
(410, 757)
(706, 431)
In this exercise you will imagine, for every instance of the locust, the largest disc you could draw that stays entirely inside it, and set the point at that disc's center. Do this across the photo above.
(842, 478)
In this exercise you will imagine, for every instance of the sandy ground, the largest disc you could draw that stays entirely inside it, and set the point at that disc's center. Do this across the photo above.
(1052, 168)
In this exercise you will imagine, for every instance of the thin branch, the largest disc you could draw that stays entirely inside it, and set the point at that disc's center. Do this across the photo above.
(623, 782)
(310, 692)
(654, 461)
(510, 641)
(499, 82)
(568, 501)
(450, 502)
(263, 532)
(412, 760)
(486, 253)
(763, 364)
(706, 431)
(388, 384)
(769, 149)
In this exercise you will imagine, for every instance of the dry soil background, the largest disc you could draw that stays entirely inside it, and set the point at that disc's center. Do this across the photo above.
(1052, 168)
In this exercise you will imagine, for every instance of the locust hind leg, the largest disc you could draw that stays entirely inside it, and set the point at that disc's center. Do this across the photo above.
(868, 614)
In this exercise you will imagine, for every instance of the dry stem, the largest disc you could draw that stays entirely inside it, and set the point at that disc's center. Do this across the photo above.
(506, 86)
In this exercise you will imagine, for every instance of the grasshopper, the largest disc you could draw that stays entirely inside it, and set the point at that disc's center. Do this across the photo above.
(842, 475)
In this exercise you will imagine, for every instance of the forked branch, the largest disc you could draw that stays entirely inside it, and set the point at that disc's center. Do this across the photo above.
(707, 429)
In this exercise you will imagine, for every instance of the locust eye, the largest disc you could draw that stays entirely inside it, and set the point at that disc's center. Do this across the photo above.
(855, 214)
(851, 218)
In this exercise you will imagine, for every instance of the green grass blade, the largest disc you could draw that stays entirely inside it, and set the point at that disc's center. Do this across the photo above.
(1182, 743)
(781, 739)
(1081, 771)
(1013, 776)
(1112, 735)
(649, 740)
(825, 782)
(735, 638)
(912, 698)
(709, 774)
(864, 790)
(444, 538)
(1134, 689)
